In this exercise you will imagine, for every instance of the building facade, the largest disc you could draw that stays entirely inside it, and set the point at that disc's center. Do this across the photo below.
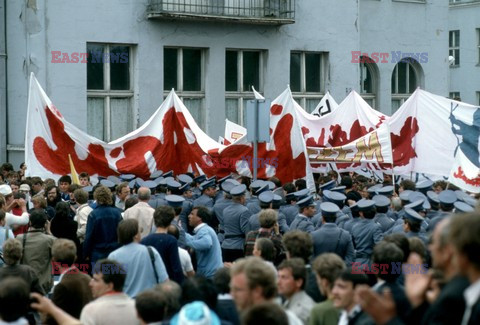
(107, 65)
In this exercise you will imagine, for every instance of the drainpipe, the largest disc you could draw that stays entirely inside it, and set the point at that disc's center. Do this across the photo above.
(3, 86)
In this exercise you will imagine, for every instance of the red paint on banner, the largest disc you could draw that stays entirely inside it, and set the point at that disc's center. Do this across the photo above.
(402, 144)
(470, 181)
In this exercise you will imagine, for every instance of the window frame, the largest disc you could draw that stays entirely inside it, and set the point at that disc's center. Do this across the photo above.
(372, 69)
(243, 95)
(452, 50)
(402, 97)
(189, 94)
(107, 93)
(303, 96)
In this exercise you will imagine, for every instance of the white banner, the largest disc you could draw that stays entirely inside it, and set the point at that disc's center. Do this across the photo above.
(326, 105)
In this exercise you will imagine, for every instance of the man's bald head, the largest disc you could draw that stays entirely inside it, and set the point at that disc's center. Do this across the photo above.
(144, 194)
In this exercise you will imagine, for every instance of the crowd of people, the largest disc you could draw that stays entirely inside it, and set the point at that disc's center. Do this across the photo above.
(189, 249)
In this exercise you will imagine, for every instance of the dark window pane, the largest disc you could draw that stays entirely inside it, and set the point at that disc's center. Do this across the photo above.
(457, 38)
(312, 72)
(119, 68)
(192, 70)
(450, 39)
(251, 71)
(394, 80)
(402, 77)
(457, 57)
(231, 71)
(366, 78)
(169, 69)
(412, 79)
(295, 72)
(95, 66)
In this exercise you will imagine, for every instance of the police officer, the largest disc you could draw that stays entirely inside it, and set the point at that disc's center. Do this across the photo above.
(424, 186)
(307, 210)
(220, 206)
(266, 202)
(462, 207)
(253, 203)
(208, 189)
(447, 199)
(382, 204)
(155, 200)
(235, 222)
(338, 199)
(330, 238)
(420, 206)
(196, 188)
(432, 198)
(290, 209)
(176, 202)
(413, 225)
(366, 233)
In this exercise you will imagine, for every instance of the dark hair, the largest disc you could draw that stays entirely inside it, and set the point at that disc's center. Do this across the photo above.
(103, 195)
(84, 175)
(204, 214)
(382, 209)
(265, 313)
(387, 253)
(65, 179)
(113, 272)
(347, 182)
(329, 218)
(127, 229)
(150, 305)
(163, 216)
(2, 216)
(38, 218)
(14, 298)
(73, 187)
(369, 213)
(130, 202)
(401, 241)
(297, 268)
(264, 205)
(289, 188)
(221, 280)
(415, 226)
(62, 209)
(300, 184)
(298, 244)
(354, 277)
(199, 288)
(408, 185)
(267, 249)
(275, 180)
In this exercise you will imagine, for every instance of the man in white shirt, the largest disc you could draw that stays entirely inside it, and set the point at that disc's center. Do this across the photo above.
(111, 305)
(142, 212)
(83, 210)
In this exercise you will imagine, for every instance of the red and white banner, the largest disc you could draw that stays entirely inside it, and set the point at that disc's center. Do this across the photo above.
(427, 130)
(169, 140)
(374, 147)
(326, 105)
(464, 174)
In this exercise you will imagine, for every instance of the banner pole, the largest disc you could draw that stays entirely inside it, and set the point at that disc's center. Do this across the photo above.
(393, 180)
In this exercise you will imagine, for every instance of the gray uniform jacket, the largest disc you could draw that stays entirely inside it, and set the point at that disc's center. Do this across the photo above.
(366, 234)
(235, 223)
(303, 223)
(331, 239)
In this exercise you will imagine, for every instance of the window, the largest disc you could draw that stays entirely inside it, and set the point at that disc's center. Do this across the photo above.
(183, 70)
(454, 46)
(454, 95)
(478, 44)
(243, 69)
(308, 78)
(109, 91)
(478, 98)
(368, 80)
(405, 80)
